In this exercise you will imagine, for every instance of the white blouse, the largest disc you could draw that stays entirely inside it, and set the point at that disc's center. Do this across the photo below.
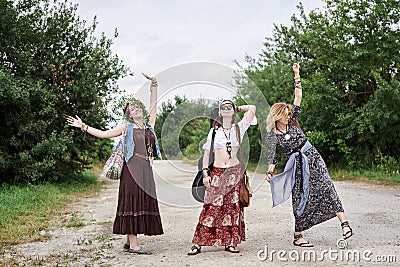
(221, 137)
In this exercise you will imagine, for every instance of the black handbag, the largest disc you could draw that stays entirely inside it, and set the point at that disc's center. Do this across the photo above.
(198, 188)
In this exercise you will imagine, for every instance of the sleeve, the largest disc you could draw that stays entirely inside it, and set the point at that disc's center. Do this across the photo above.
(296, 112)
(243, 126)
(207, 145)
(272, 156)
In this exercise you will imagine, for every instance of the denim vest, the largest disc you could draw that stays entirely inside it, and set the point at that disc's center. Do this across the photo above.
(130, 144)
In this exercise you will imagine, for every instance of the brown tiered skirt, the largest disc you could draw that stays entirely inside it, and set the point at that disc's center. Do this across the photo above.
(137, 211)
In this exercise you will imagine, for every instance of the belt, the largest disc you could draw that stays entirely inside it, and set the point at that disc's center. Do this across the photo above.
(141, 156)
(298, 148)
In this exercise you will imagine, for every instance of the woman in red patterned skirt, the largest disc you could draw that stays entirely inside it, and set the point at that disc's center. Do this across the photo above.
(221, 222)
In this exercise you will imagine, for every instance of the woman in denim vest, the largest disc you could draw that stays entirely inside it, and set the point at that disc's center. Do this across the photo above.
(137, 211)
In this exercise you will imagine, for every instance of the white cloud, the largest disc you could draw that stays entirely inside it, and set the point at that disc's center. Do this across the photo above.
(157, 35)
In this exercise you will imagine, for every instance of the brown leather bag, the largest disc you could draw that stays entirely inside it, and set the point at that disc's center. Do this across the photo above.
(245, 191)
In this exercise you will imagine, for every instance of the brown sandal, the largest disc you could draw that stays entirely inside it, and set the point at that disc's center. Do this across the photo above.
(303, 244)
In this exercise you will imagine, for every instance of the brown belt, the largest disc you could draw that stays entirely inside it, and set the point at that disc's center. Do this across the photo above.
(141, 156)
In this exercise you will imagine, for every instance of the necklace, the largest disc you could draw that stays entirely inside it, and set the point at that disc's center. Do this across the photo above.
(228, 142)
(140, 126)
(286, 135)
(147, 136)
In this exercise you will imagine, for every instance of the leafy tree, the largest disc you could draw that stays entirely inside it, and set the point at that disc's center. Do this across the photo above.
(51, 65)
(349, 54)
(183, 127)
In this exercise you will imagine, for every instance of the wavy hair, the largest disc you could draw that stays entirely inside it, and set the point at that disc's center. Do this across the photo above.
(276, 112)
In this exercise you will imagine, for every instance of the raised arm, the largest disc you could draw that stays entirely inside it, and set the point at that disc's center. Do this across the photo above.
(249, 112)
(77, 122)
(297, 85)
(153, 99)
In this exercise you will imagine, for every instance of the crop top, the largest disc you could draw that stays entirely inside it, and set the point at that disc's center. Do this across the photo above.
(220, 138)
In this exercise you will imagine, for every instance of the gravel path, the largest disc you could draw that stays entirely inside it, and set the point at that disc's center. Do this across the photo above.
(373, 212)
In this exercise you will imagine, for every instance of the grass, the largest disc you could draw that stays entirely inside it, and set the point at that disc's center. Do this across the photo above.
(374, 176)
(27, 210)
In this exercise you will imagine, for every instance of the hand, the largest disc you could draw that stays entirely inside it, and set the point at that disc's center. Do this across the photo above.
(153, 79)
(207, 181)
(75, 122)
(296, 69)
(269, 176)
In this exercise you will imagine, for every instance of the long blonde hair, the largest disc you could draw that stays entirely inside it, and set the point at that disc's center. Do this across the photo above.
(276, 112)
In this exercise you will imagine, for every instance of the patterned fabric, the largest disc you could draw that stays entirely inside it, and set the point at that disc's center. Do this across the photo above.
(113, 167)
(221, 222)
(323, 201)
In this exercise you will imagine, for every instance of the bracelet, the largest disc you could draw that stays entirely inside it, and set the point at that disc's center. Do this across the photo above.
(87, 127)
(205, 174)
(83, 126)
(205, 169)
(296, 77)
(269, 172)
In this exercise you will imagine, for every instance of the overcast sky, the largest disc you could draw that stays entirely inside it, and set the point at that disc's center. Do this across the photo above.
(157, 36)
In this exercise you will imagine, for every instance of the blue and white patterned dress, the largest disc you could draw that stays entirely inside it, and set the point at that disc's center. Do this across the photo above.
(323, 201)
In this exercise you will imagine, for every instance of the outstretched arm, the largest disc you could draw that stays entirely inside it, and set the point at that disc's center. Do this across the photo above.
(153, 99)
(297, 85)
(77, 122)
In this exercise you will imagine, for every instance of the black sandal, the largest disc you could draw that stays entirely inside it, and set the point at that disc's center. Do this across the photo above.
(304, 244)
(232, 249)
(194, 250)
(346, 224)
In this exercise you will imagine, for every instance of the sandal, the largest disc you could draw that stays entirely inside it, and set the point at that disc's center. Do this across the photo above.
(141, 250)
(345, 235)
(194, 250)
(303, 244)
(232, 249)
(127, 246)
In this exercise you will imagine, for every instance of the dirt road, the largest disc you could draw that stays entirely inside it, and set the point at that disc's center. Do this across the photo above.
(373, 212)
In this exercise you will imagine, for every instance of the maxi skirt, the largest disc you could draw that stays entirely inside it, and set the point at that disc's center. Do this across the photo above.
(221, 221)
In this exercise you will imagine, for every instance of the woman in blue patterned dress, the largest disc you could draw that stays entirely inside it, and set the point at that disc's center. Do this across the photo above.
(305, 177)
